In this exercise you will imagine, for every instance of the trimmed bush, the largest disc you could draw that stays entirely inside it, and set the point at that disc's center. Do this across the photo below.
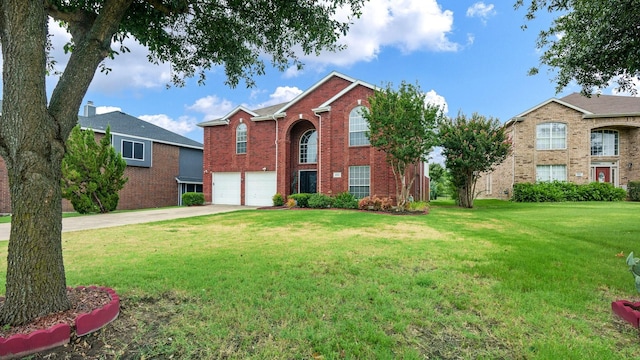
(192, 198)
(375, 203)
(278, 199)
(320, 201)
(634, 190)
(345, 200)
(302, 199)
(564, 191)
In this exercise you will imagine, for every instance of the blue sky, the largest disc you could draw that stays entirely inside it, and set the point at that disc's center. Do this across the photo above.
(472, 56)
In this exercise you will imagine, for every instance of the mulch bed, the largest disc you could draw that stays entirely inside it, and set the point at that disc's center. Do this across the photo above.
(83, 300)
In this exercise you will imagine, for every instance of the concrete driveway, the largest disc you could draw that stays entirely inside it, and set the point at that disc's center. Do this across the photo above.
(98, 221)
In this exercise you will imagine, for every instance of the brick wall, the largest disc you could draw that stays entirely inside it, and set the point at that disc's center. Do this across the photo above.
(335, 154)
(520, 166)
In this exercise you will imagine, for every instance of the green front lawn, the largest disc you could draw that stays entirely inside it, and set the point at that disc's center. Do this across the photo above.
(500, 281)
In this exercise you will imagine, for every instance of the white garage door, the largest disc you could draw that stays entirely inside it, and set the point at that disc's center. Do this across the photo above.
(260, 188)
(226, 188)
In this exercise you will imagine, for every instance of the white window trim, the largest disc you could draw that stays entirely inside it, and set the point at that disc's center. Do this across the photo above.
(550, 124)
(356, 111)
(307, 147)
(351, 179)
(133, 152)
(238, 141)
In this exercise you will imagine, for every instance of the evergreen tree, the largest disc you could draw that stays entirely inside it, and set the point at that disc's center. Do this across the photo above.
(92, 173)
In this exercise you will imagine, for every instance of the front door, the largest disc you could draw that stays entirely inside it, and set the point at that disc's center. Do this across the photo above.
(603, 174)
(308, 181)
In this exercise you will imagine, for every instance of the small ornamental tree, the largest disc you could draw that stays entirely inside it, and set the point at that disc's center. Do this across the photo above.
(92, 173)
(471, 146)
(403, 126)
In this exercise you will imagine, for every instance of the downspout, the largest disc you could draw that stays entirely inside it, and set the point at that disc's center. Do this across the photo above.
(319, 189)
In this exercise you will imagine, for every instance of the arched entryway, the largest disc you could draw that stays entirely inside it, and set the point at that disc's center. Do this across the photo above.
(304, 158)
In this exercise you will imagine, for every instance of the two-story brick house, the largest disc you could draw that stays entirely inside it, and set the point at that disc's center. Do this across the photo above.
(315, 143)
(161, 165)
(574, 138)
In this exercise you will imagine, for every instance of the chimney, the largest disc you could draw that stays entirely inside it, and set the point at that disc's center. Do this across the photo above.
(89, 109)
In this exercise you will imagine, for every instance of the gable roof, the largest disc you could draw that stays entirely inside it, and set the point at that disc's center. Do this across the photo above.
(127, 125)
(279, 110)
(605, 104)
(591, 107)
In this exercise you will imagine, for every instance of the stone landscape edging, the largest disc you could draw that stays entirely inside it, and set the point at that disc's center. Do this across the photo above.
(57, 335)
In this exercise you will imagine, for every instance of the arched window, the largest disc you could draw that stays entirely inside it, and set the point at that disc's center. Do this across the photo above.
(358, 127)
(551, 136)
(241, 139)
(309, 147)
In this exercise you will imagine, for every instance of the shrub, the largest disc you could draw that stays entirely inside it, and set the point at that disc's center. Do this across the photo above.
(345, 200)
(418, 206)
(375, 203)
(302, 200)
(291, 203)
(564, 191)
(320, 201)
(278, 199)
(192, 198)
(634, 190)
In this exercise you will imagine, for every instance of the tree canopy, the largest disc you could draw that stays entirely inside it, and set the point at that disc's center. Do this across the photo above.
(592, 42)
(92, 173)
(472, 145)
(192, 35)
(403, 126)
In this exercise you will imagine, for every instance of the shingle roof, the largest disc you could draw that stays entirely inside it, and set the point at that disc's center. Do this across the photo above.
(604, 104)
(124, 124)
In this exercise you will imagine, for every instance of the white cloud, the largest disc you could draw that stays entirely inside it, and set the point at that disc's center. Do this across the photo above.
(129, 70)
(107, 109)
(433, 98)
(409, 25)
(182, 125)
(281, 95)
(482, 11)
(212, 107)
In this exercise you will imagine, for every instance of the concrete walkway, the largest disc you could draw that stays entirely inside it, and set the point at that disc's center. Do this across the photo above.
(98, 221)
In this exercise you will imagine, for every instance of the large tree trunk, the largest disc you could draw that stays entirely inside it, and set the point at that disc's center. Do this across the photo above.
(32, 147)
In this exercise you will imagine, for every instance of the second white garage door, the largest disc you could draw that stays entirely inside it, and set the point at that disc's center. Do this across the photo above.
(260, 186)
(226, 188)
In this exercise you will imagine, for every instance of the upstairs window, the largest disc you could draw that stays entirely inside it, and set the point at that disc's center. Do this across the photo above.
(358, 127)
(241, 139)
(309, 147)
(604, 143)
(132, 150)
(551, 136)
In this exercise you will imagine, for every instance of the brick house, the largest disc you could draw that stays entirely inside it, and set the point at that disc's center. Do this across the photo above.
(315, 143)
(161, 165)
(575, 139)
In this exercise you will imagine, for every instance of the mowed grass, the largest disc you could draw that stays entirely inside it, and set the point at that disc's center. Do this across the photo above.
(500, 281)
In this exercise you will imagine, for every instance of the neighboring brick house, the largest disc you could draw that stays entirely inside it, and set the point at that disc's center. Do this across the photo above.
(575, 139)
(161, 165)
(315, 143)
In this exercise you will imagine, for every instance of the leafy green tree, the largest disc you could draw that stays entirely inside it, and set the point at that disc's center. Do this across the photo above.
(403, 126)
(598, 44)
(471, 146)
(192, 35)
(92, 173)
(437, 180)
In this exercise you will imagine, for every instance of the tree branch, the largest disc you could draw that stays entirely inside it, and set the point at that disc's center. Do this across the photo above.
(181, 7)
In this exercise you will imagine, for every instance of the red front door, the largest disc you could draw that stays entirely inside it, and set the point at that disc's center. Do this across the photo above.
(603, 174)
